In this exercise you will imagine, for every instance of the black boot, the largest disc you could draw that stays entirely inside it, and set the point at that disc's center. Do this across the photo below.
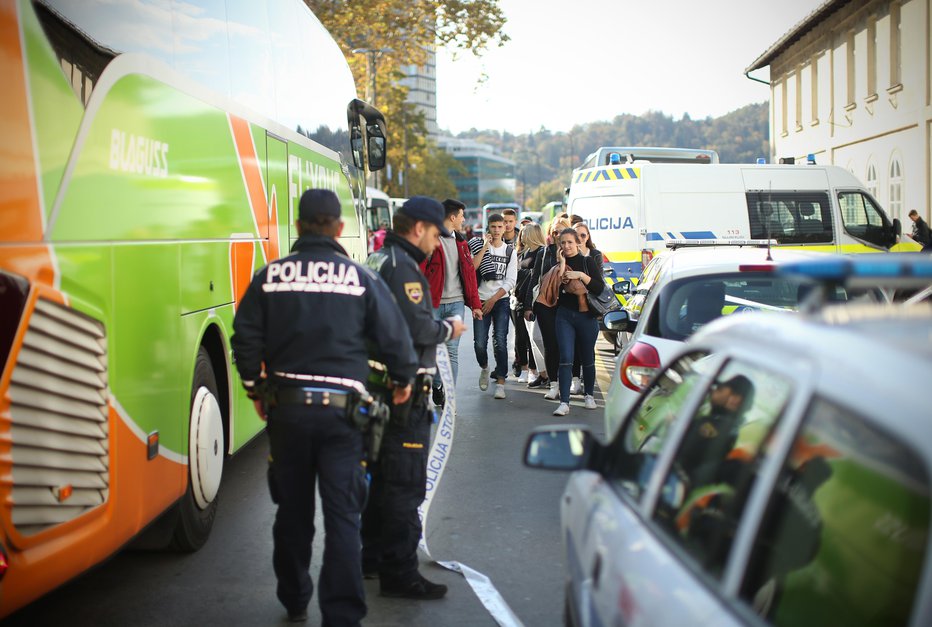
(418, 588)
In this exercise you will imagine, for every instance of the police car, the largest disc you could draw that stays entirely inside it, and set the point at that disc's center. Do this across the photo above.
(683, 288)
(776, 471)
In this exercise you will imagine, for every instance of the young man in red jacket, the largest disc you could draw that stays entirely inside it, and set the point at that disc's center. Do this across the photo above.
(453, 284)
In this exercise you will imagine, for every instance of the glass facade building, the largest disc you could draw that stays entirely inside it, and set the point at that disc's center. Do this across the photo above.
(489, 177)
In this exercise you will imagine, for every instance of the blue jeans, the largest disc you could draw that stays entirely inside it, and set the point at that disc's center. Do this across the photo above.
(576, 329)
(498, 318)
(447, 310)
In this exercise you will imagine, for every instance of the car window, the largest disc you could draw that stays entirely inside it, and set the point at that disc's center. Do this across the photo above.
(844, 536)
(631, 456)
(716, 462)
(862, 218)
(688, 304)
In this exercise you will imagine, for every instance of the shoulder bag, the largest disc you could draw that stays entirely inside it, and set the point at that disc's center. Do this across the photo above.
(604, 302)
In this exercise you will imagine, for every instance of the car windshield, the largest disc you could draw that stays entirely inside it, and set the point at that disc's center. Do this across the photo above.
(687, 304)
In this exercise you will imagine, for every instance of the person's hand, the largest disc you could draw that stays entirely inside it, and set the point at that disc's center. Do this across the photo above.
(528, 314)
(260, 410)
(488, 238)
(569, 275)
(477, 314)
(401, 395)
(488, 304)
(458, 328)
(559, 253)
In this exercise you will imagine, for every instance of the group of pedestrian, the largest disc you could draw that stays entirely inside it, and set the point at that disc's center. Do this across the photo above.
(318, 349)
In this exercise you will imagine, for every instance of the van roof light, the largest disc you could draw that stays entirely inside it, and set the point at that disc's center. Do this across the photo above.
(761, 161)
(810, 159)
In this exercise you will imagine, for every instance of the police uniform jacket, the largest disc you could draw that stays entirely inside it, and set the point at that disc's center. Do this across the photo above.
(398, 264)
(312, 314)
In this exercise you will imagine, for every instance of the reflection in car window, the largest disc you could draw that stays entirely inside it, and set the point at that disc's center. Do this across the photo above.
(632, 454)
(716, 464)
(688, 304)
(861, 217)
(845, 532)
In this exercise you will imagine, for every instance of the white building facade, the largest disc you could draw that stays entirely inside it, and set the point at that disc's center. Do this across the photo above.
(851, 85)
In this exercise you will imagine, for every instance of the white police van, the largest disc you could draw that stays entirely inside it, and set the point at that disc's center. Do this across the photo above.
(633, 209)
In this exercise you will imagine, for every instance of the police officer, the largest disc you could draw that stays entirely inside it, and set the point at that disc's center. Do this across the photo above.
(391, 528)
(300, 346)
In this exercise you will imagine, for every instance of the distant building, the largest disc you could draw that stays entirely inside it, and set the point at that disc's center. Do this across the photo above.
(421, 81)
(489, 177)
(851, 84)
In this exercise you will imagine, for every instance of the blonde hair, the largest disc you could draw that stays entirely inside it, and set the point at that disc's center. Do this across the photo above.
(532, 236)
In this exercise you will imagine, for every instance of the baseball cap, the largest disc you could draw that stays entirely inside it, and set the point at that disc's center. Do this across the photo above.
(318, 202)
(425, 209)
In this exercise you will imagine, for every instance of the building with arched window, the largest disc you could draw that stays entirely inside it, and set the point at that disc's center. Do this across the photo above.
(850, 84)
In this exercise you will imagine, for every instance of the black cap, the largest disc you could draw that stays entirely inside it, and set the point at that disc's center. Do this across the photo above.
(426, 210)
(318, 202)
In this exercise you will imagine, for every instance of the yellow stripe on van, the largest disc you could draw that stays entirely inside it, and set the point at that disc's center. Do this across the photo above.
(607, 174)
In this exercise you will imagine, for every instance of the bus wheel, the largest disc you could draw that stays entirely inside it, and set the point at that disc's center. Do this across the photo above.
(205, 460)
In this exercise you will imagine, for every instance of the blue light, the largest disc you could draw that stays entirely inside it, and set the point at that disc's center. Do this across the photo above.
(761, 161)
(819, 269)
(810, 159)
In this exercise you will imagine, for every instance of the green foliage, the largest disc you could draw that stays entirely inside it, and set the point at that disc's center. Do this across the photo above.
(545, 159)
(400, 33)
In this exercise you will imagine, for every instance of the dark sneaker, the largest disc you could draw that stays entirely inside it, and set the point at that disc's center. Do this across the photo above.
(420, 589)
(297, 616)
(516, 368)
(539, 382)
(439, 397)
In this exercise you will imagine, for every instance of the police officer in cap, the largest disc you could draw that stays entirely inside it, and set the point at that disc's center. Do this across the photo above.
(300, 346)
(391, 528)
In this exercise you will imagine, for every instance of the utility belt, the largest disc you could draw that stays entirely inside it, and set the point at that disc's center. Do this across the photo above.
(378, 384)
(365, 412)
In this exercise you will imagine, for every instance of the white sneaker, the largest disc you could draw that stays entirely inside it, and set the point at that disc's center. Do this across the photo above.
(554, 392)
(499, 390)
(532, 377)
(561, 410)
(522, 378)
(576, 386)
(484, 379)
(590, 402)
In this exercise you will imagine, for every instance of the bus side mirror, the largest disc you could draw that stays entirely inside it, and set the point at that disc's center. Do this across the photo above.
(376, 147)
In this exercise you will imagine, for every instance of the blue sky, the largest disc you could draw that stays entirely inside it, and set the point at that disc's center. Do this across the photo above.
(572, 62)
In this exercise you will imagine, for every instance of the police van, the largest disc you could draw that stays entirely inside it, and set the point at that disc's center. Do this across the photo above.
(634, 208)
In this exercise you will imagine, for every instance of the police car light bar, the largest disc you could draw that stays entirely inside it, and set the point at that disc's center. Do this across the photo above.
(679, 243)
(884, 269)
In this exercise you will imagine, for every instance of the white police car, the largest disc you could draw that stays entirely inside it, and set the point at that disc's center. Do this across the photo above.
(686, 287)
(776, 472)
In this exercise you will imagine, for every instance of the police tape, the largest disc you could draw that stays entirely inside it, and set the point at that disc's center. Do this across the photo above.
(485, 591)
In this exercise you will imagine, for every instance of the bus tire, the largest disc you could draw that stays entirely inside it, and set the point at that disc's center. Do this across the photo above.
(198, 506)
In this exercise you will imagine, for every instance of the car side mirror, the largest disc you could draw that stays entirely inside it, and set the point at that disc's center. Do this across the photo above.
(616, 320)
(622, 287)
(559, 447)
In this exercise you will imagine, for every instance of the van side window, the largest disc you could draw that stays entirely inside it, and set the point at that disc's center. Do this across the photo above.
(790, 217)
(632, 455)
(717, 462)
(863, 219)
(846, 530)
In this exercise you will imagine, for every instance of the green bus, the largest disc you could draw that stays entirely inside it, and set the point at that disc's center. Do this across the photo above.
(154, 153)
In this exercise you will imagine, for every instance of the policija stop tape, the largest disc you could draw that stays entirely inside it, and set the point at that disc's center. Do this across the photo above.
(485, 591)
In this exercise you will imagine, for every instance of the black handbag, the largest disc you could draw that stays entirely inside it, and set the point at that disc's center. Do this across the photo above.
(603, 303)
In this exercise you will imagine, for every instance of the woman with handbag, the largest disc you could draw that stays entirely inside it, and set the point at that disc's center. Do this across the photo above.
(529, 351)
(545, 312)
(586, 248)
(576, 326)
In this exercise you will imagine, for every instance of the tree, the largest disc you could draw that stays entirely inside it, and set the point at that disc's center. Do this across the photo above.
(403, 31)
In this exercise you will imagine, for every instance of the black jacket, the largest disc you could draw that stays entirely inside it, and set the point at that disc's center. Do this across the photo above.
(311, 313)
(398, 263)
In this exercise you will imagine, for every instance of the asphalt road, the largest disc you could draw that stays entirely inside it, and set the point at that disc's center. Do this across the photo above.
(489, 513)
